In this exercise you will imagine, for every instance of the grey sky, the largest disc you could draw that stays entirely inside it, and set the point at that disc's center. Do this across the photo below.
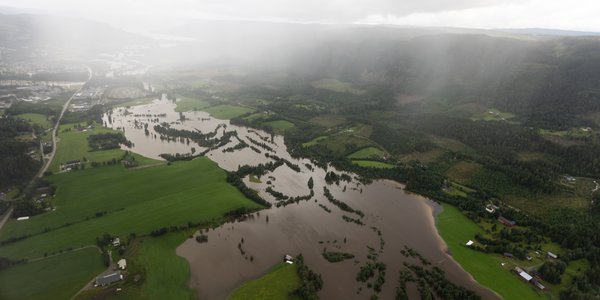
(571, 14)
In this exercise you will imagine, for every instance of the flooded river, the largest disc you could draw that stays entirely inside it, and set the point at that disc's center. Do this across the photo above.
(244, 250)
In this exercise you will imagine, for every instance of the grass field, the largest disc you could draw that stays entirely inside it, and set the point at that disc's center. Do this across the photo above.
(256, 116)
(166, 273)
(190, 104)
(424, 157)
(226, 111)
(73, 145)
(314, 141)
(58, 277)
(336, 86)
(372, 164)
(182, 192)
(369, 152)
(463, 171)
(280, 126)
(338, 142)
(275, 285)
(134, 102)
(38, 119)
(456, 229)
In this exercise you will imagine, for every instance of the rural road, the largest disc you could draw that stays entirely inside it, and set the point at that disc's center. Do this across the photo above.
(57, 125)
(46, 164)
(6, 216)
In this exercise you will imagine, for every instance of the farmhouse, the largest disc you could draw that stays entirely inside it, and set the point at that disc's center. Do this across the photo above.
(116, 242)
(288, 259)
(122, 263)
(507, 222)
(108, 279)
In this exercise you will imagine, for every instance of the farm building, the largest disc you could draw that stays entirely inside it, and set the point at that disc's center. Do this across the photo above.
(509, 255)
(108, 279)
(116, 242)
(538, 284)
(507, 222)
(525, 276)
(552, 255)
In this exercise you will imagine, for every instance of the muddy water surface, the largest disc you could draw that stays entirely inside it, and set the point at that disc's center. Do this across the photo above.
(244, 250)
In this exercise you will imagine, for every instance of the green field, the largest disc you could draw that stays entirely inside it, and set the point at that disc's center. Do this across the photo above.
(369, 152)
(314, 141)
(135, 102)
(372, 164)
(492, 115)
(190, 104)
(275, 285)
(38, 119)
(338, 143)
(73, 145)
(256, 116)
(456, 229)
(336, 86)
(182, 192)
(166, 273)
(226, 111)
(58, 277)
(280, 126)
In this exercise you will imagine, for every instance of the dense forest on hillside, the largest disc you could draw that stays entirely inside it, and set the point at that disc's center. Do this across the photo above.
(17, 165)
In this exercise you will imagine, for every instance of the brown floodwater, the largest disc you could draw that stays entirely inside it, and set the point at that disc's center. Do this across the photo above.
(218, 266)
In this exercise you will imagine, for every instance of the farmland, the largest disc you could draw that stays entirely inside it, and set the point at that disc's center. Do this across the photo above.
(56, 277)
(38, 119)
(73, 145)
(369, 152)
(276, 285)
(190, 104)
(226, 111)
(118, 201)
(456, 229)
(372, 164)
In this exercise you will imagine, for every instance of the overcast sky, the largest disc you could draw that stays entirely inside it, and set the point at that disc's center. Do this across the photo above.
(133, 14)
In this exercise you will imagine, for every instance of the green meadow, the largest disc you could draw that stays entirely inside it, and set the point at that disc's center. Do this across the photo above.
(38, 119)
(129, 201)
(73, 145)
(369, 152)
(135, 200)
(280, 126)
(190, 104)
(372, 164)
(275, 285)
(58, 277)
(226, 111)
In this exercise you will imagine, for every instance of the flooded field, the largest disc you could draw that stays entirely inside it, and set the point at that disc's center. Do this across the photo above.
(244, 250)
